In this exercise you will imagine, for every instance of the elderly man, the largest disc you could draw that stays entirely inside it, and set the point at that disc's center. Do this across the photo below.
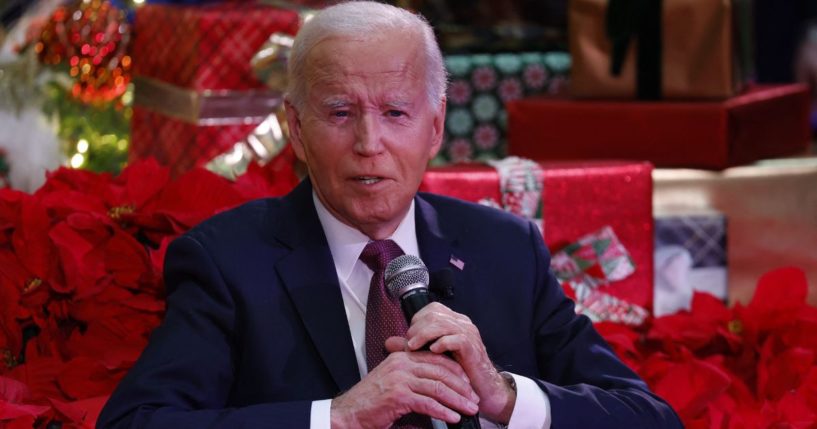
(277, 316)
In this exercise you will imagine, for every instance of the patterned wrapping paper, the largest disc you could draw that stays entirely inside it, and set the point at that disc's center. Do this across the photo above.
(479, 87)
(205, 47)
(772, 213)
(590, 266)
(577, 198)
(690, 256)
(199, 58)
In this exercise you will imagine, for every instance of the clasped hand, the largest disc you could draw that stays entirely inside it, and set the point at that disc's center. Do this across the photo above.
(441, 369)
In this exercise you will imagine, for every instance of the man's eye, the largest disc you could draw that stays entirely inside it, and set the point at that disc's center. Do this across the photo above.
(395, 113)
(340, 113)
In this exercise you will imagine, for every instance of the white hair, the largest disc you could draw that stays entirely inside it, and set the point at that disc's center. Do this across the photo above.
(357, 19)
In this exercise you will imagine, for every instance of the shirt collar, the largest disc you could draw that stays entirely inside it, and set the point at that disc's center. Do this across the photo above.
(346, 243)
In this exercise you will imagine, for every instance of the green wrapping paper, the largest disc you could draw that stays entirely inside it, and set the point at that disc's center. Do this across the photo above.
(479, 86)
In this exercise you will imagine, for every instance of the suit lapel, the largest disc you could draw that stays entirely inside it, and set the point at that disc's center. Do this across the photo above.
(436, 247)
(308, 274)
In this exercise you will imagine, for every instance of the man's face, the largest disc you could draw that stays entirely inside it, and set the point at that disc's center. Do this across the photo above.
(367, 129)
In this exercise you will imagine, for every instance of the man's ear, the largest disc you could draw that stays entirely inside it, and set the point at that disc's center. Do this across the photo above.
(438, 127)
(294, 125)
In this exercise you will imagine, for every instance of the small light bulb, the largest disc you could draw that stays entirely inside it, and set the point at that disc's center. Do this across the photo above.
(82, 146)
(77, 160)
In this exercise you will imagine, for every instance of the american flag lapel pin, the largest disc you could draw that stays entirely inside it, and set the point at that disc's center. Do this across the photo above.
(456, 262)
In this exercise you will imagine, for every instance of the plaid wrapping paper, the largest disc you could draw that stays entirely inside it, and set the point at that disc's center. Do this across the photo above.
(690, 256)
(703, 235)
(476, 120)
(205, 47)
(180, 144)
(202, 50)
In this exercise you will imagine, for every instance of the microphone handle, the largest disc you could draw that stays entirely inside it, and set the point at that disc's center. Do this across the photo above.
(411, 303)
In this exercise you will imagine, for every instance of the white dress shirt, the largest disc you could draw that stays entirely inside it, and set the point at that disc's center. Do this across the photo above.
(532, 407)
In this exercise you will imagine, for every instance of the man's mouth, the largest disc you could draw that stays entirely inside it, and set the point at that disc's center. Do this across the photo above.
(368, 180)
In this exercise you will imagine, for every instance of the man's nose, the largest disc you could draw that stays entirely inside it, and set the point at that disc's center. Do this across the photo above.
(368, 135)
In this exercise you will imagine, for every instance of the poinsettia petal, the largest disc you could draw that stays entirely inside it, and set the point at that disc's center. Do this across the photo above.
(143, 180)
(783, 372)
(72, 249)
(126, 259)
(65, 202)
(85, 377)
(30, 240)
(64, 178)
(690, 386)
(39, 374)
(9, 411)
(781, 289)
(82, 413)
(195, 196)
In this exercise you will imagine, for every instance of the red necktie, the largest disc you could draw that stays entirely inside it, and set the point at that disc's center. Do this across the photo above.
(384, 318)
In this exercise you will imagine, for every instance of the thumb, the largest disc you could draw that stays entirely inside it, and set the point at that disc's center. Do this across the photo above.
(396, 344)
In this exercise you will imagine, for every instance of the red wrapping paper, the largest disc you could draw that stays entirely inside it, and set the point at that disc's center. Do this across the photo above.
(205, 47)
(180, 144)
(578, 198)
(765, 122)
(201, 50)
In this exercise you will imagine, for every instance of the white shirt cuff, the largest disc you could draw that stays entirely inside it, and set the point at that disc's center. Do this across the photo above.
(319, 417)
(532, 407)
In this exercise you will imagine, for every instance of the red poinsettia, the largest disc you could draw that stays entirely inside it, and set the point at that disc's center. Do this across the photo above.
(80, 288)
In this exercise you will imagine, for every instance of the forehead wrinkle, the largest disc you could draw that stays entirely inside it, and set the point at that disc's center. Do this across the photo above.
(341, 82)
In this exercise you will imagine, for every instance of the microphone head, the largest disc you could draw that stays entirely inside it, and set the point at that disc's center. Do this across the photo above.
(404, 274)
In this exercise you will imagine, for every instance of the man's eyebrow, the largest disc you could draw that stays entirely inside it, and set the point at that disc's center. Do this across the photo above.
(335, 102)
(400, 104)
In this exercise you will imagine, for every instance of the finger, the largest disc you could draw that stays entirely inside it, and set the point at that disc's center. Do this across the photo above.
(396, 344)
(459, 345)
(456, 381)
(432, 328)
(442, 393)
(417, 358)
(429, 407)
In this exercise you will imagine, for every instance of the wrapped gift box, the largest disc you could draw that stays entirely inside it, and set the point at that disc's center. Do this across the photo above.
(195, 92)
(690, 256)
(578, 198)
(476, 120)
(675, 49)
(765, 122)
(772, 213)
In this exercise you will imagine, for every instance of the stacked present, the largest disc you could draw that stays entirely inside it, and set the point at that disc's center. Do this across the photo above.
(196, 96)
(196, 93)
(596, 218)
(669, 85)
(480, 85)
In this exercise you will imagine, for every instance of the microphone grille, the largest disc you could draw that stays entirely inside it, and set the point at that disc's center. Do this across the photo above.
(404, 273)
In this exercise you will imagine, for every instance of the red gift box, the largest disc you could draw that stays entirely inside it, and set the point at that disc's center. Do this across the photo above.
(205, 47)
(578, 198)
(765, 122)
(196, 94)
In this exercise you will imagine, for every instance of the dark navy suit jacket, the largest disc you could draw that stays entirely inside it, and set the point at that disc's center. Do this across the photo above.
(255, 328)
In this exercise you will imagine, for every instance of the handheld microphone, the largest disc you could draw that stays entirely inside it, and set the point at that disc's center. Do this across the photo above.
(407, 280)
